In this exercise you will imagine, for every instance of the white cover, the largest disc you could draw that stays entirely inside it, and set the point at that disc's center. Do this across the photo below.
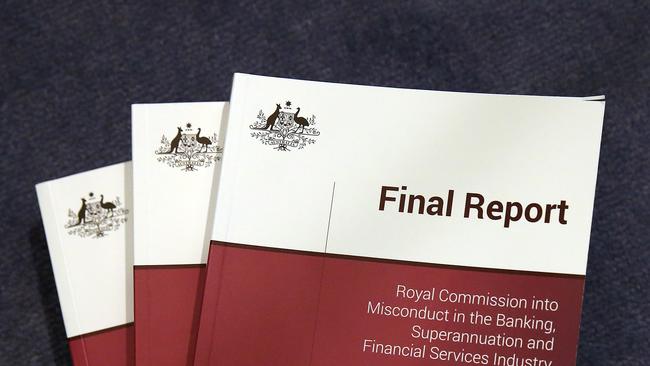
(511, 148)
(172, 207)
(93, 275)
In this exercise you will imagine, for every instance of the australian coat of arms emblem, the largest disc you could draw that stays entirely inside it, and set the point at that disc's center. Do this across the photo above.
(189, 150)
(285, 128)
(96, 217)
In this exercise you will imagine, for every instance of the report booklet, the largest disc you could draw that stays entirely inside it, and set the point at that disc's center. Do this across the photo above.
(362, 225)
(88, 224)
(176, 155)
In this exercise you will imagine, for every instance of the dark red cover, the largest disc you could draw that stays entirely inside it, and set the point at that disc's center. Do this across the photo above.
(109, 347)
(167, 305)
(267, 306)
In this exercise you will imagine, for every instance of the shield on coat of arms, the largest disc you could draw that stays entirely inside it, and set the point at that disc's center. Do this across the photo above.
(188, 142)
(285, 122)
(94, 212)
(286, 118)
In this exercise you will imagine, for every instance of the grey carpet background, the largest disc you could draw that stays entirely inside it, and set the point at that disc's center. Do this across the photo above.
(70, 70)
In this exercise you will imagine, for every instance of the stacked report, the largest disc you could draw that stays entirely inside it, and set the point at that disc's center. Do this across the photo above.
(88, 224)
(176, 158)
(360, 225)
(313, 223)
